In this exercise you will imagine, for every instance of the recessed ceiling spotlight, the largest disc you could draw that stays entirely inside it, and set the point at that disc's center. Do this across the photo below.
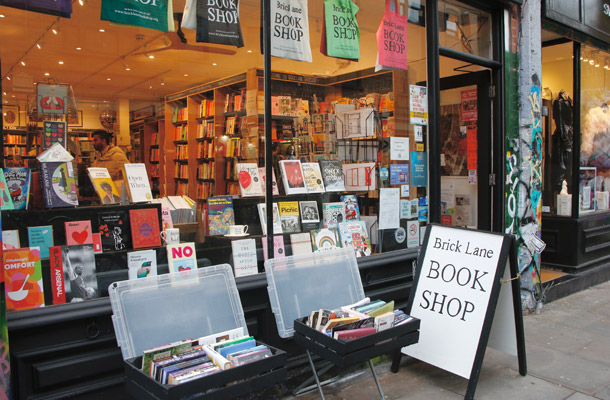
(61, 62)
(8, 77)
(81, 2)
(127, 69)
(79, 48)
(4, 93)
(39, 46)
(151, 56)
(214, 64)
(102, 30)
(2, 16)
(23, 63)
(186, 74)
(107, 79)
(46, 74)
(12, 95)
(55, 31)
(249, 51)
(150, 87)
(162, 83)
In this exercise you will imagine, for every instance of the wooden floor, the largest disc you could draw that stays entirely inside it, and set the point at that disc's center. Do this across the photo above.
(549, 274)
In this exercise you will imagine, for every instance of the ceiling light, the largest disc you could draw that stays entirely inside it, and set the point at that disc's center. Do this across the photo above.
(127, 69)
(55, 31)
(591, 62)
(8, 77)
(186, 74)
(102, 30)
(4, 93)
(2, 15)
(39, 46)
(46, 74)
(249, 51)
(81, 2)
(162, 83)
(79, 48)
(150, 87)
(107, 79)
(214, 64)
(151, 56)
(23, 63)
(12, 95)
(61, 62)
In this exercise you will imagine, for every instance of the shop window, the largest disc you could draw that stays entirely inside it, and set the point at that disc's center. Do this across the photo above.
(465, 29)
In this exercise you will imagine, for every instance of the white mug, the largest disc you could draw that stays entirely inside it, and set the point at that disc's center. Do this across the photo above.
(171, 236)
(238, 230)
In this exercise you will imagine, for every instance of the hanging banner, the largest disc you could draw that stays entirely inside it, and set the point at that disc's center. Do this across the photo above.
(218, 22)
(62, 8)
(148, 13)
(392, 39)
(290, 30)
(340, 34)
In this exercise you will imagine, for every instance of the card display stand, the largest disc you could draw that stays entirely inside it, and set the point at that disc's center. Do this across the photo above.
(154, 311)
(306, 283)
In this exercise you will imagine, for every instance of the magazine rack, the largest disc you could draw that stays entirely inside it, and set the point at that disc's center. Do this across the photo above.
(298, 285)
(162, 309)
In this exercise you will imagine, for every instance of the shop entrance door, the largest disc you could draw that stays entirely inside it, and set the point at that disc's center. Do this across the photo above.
(466, 150)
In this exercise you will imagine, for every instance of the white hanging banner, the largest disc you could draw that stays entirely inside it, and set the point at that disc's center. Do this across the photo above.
(290, 30)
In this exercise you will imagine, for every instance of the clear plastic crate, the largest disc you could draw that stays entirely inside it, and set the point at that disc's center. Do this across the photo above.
(300, 284)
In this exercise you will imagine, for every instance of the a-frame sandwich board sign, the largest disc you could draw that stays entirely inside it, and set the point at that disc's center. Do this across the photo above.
(466, 294)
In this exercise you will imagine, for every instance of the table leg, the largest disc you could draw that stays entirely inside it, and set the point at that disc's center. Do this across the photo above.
(315, 374)
(376, 380)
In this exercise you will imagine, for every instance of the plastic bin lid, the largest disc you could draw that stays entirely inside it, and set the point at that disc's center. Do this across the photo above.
(298, 285)
(162, 309)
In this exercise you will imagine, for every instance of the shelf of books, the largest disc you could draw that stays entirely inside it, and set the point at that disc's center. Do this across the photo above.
(150, 133)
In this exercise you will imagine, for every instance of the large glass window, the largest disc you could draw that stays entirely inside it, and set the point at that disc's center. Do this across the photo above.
(192, 113)
(465, 29)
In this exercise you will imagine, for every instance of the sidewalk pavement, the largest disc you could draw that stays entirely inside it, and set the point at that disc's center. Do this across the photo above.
(568, 357)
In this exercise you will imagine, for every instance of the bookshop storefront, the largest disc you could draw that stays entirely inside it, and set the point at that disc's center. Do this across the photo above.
(575, 71)
(372, 120)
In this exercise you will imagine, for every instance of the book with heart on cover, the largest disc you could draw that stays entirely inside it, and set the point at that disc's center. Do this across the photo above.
(249, 180)
(78, 232)
(113, 227)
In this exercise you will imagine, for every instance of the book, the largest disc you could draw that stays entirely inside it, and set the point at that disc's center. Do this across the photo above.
(352, 212)
(289, 215)
(145, 230)
(324, 239)
(141, 264)
(73, 274)
(351, 334)
(10, 239)
(6, 203)
(244, 257)
(156, 353)
(58, 184)
(222, 336)
(220, 215)
(310, 216)
(313, 178)
(138, 186)
(113, 227)
(333, 214)
(301, 243)
(292, 176)
(54, 132)
(384, 321)
(23, 278)
(332, 174)
(277, 222)
(249, 180)
(247, 356)
(104, 186)
(354, 234)
(261, 173)
(41, 237)
(97, 242)
(278, 247)
(181, 257)
(18, 183)
(78, 232)
(166, 219)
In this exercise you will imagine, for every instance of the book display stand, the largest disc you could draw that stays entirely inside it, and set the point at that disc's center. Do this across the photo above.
(154, 311)
(298, 285)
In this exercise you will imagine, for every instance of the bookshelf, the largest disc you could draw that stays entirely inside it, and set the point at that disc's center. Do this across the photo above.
(147, 147)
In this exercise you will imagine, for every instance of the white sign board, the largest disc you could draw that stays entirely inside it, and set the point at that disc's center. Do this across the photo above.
(458, 275)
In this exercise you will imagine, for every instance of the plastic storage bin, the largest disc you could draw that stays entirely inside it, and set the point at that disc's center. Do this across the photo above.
(163, 309)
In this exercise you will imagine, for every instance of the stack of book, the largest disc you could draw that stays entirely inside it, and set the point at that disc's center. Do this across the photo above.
(357, 320)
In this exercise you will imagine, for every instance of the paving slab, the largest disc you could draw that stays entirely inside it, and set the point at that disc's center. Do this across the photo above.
(603, 394)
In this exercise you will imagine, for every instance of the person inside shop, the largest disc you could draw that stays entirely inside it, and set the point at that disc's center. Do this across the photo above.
(108, 156)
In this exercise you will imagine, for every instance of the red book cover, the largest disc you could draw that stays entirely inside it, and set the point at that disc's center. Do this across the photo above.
(145, 228)
(351, 334)
(23, 278)
(57, 275)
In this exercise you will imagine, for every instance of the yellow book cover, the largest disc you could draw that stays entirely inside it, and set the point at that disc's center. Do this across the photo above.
(104, 186)
(289, 215)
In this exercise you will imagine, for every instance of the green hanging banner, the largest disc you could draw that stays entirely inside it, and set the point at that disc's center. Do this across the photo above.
(145, 13)
(342, 35)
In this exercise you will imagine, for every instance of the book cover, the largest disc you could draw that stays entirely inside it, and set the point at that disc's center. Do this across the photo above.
(6, 203)
(114, 230)
(78, 232)
(313, 178)
(41, 237)
(181, 257)
(324, 239)
(249, 180)
(23, 278)
(54, 132)
(261, 173)
(332, 174)
(301, 243)
(138, 186)
(289, 215)
(333, 214)
(97, 242)
(18, 183)
(58, 184)
(352, 212)
(166, 218)
(310, 216)
(141, 264)
(354, 234)
(244, 257)
(10, 239)
(220, 215)
(104, 186)
(277, 222)
(73, 275)
(278, 247)
(145, 228)
(292, 176)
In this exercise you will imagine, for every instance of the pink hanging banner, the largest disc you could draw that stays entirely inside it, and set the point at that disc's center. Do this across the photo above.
(392, 39)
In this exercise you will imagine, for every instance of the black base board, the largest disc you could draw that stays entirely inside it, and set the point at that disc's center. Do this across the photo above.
(557, 289)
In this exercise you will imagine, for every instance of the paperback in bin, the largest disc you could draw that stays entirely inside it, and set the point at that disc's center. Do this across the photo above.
(182, 209)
